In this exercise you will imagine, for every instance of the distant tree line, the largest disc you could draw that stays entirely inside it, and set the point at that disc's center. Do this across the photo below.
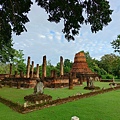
(107, 67)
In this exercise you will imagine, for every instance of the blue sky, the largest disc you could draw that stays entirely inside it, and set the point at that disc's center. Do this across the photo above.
(45, 38)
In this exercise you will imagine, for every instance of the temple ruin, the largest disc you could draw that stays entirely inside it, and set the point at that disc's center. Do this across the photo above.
(80, 68)
(79, 73)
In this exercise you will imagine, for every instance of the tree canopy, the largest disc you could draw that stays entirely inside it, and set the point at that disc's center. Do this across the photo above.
(7, 52)
(77, 12)
(116, 44)
(13, 16)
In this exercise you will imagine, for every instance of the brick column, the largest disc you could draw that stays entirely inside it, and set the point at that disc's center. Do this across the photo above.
(44, 67)
(81, 81)
(28, 68)
(70, 81)
(88, 82)
(37, 72)
(18, 84)
(55, 74)
(21, 74)
(10, 68)
(16, 73)
(74, 75)
(52, 73)
(61, 66)
(32, 69)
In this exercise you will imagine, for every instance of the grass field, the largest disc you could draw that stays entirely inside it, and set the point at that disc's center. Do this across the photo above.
(101, 107)
(17, 95)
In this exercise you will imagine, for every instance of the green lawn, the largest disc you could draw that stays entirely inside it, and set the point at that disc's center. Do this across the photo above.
(101, 107)
(17, 95)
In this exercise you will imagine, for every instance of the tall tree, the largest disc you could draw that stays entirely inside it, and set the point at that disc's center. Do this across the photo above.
(89, 59)
(116, 67)
(18, 61)
(94, 64)
(4, 68)
(6, 51)
(57, 68)
(116, 44)
(108, 62)
(49, 67)
(13, 15)
(67, 65)
(97, 14)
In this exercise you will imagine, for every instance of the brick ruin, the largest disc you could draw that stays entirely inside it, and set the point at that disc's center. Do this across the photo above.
(79, 73)
(81, 70)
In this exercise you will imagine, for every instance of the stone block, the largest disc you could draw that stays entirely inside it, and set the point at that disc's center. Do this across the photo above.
(74, 118)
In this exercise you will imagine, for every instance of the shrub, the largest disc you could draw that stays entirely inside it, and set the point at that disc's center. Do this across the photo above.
(108, 76)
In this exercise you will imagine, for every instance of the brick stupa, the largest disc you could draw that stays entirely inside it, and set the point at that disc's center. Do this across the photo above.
(80, 65)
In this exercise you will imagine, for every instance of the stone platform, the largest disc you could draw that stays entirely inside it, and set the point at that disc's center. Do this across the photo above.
(38, 98)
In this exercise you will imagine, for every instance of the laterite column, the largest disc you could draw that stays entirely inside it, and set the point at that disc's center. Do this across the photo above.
(32, 69)
(70, 81)
(28, 68)
(37, 72)
(44, 67)
(61, 66)
(10, 68)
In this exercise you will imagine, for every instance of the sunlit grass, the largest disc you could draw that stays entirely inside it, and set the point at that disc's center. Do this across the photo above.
(101, 107)
(17, 95)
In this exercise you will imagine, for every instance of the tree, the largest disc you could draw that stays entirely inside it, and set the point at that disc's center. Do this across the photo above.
(89, 59)
(67, 65)
(71, 11)
(116, 67)
(116, 44)
(13, 15)
(18, 61)
(6, 51)
(4, 68)
(108, 62)
(93, 64)
(57, 68)
(49, 67)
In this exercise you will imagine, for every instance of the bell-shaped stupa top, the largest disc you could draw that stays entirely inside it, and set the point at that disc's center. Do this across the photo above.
(80, 65)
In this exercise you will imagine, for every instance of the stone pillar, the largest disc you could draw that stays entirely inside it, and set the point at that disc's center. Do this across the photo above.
(55, 74)
(88, 82)
(52, 73)
(32, 69)
(61, 66)
(15, 74)
(80, 79)
(37, 71)
(28, 68)
(10, 68)
(10, 83)
(44, 67)
(18, 84)
(21, 74)
(70, 81)
(84, 78)
(74, 74)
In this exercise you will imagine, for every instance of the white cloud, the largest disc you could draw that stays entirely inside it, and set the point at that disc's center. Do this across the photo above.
(41, 36)
(50, 37)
